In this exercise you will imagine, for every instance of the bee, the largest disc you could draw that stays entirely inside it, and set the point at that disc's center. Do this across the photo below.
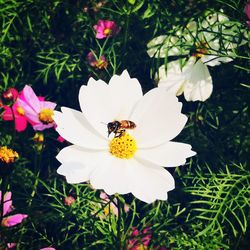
(119, 127)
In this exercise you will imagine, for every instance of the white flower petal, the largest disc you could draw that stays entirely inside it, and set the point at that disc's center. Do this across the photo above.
(199, 85)
(156, 47)
(85, 156)
(174, 79)
(102, 103)
(75, 172)
(170, 154)
(73, 127)
(151, 183)
(125, 92)
(145, 181)
(212, 60)
(158, 118)
(114, 175)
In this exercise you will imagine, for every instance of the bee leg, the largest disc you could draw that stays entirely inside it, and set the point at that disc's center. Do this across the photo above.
(120, 133)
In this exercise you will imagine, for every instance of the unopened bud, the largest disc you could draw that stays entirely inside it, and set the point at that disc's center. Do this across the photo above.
(69, 200)
(10, 94)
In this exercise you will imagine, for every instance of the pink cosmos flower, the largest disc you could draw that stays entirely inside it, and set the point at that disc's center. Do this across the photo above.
(139, 240)
(100, 63)
(38, 112)
(105, 28)
(12, 220)
(113, 205)
(247, 11)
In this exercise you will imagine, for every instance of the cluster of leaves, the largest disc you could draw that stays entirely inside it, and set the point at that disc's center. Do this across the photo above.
(45, 44)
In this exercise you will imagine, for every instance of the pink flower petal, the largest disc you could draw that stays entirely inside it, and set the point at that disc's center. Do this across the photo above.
(11, 245)
(30, 97)
(7, 115)
(30, 113)
(47, 105)
(7, 203)
(13, 220)
(21, 123)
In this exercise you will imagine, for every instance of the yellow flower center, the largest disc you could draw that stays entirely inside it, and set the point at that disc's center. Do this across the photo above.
(107, 31)
(20, 110)
(45, 116)
(8, 155)
(123, 147)
(141, 247)
(201, 48)
(101, 64)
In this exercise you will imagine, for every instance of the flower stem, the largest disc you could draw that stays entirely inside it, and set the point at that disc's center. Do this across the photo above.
(4, 184)
(119, 247)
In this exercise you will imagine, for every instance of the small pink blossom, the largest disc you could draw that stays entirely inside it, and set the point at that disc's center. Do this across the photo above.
(105, 28)
(38, 112)
(139, 240)
(12, 220)
(69, 200)
(247, 11)
(100, 63)
(112, 206)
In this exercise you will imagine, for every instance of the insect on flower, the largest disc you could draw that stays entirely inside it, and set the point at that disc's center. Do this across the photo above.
(119, 127)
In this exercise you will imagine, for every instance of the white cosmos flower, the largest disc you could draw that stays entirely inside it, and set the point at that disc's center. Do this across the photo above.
(193, 79)
(133, 162)
(162, 46)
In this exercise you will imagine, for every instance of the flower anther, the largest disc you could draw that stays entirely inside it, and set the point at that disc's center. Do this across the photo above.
(107, 31)
(45, 116)
(20, 110)
(202, 49)
(123, 147)
(8, 155)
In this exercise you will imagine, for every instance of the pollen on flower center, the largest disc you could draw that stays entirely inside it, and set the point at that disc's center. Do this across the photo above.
(8, 155)
(101, 64)
(20, 110)
(45, 116)
(123, 147)
(201, 48)
(107, 31)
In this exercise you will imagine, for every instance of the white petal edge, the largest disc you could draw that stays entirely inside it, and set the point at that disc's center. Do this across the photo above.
(158, 118)
(75, 172)
(102, 103)
(73, 127)
(151, 183)
(199, 85)
(170, 154)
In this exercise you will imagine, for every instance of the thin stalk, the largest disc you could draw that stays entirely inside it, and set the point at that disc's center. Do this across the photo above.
(119, 247)
(4, 185)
